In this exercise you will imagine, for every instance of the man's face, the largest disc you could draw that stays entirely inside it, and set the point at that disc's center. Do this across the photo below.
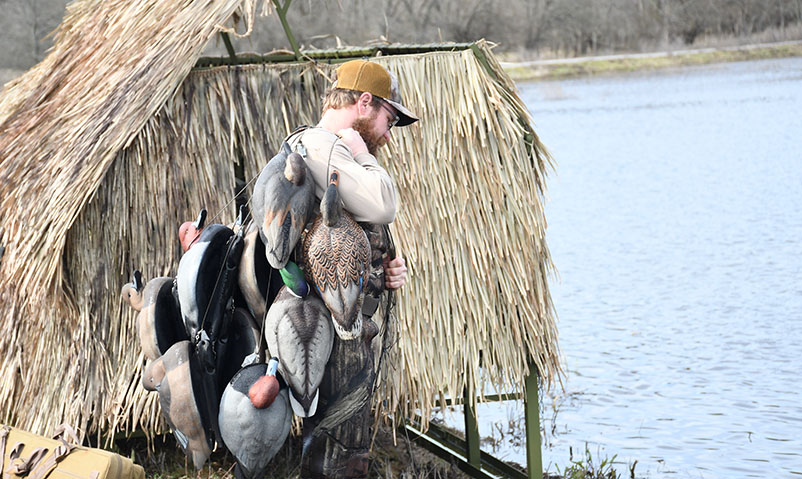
(374, 128)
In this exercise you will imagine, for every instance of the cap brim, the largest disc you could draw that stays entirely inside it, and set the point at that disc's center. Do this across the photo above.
(405, 117)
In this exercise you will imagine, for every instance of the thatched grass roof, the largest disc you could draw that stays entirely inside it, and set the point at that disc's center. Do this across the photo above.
(112, 141)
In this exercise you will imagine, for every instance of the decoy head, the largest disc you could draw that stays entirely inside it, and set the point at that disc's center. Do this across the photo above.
(330, 206)
(189, 231)
(293, 277)
(295, 169)
(264, 391)
(132, 292)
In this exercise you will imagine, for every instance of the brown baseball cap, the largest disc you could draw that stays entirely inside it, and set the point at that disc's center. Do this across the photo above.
(362, 75)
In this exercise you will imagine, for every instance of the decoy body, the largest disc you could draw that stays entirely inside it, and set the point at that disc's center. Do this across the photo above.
(254, 431)
(258, 281)
(159, 322)
(206, 277)
(175, 377)
(337, 257)
(299, 332)
(189, 231)
(283, 198)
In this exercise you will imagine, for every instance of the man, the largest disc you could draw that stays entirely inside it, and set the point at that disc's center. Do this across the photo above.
(359, 112)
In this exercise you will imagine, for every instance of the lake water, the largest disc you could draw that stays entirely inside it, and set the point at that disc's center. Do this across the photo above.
(675, 220)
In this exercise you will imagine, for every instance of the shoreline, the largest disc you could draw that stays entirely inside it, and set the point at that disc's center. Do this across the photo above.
(625, 63)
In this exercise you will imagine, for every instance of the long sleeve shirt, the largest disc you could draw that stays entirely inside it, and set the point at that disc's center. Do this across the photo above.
(366, 189)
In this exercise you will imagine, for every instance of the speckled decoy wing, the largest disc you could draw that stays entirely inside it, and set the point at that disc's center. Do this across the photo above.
(299, 332)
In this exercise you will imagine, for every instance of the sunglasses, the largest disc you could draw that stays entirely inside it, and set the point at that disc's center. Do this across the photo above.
(393, 116)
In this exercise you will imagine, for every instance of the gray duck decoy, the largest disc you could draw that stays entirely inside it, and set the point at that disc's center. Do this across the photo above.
(299, 332)
(255, 417)
(283, 199)
(336, 254)
(159, 323)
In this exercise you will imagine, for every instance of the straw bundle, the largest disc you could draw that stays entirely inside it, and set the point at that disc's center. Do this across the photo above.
(65, 355)
(117, 157)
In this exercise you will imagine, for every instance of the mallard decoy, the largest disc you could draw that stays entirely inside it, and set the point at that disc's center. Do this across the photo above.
(283, 199)
(259, 282)
(299, 332)
(175, 376)
(159, 323)
(189, 231)
(255, 417)
(336, 253)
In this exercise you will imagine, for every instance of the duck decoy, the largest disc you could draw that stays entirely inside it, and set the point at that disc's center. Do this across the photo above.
(259, 282)
(175, 376)
(283, 199)
(336, 254)
(205, 278)
(159, 323)
(205, 282)
(189, 231)
(240, 341)
(299, 332)
(255, 417)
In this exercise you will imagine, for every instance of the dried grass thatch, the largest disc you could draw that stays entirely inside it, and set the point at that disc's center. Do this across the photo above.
(98, 166)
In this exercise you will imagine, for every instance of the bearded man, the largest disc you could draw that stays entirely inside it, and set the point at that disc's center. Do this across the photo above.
(359, 112)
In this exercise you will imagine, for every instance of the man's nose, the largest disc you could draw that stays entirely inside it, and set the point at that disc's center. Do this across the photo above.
(387, 135)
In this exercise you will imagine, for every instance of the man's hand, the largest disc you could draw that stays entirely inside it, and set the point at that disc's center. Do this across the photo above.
(395, 272)
(353, 140)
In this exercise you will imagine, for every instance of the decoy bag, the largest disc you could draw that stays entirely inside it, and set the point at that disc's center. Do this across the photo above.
(36, 457)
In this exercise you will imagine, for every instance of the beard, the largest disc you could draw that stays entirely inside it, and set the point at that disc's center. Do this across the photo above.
(364, 126)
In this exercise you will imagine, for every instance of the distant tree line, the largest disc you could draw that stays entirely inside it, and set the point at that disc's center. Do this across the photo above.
(567, 27)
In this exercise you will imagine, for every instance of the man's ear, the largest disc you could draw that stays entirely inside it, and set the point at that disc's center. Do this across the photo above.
(363, 103)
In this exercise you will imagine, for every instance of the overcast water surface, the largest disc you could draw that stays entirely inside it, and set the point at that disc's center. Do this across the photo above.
(675, 220)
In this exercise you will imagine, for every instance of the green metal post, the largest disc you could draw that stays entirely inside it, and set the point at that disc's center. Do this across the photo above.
(471, 432)
(534, 460)
(282, 15)
(229, 47)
